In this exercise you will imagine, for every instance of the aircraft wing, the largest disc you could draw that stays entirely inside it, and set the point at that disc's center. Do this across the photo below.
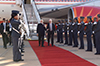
(61, 11)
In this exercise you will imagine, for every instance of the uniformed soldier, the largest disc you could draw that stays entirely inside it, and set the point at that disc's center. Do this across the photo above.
(65, 31)
(81, 32)
(61, 32)
(89, 33)
(70, 33)
(75, 30)
(97, 36)
(93, 28)
(58, 39)
(15, 35)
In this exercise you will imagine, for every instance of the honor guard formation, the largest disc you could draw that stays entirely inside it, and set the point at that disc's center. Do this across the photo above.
(13, 32)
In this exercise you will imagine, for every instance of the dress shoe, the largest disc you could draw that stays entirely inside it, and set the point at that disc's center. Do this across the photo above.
(21, 60)
(48, 44)
(97, 53)
(57, 41)
(88, 50)
(16, 60)
(75, 46)
(43, 46)
(69, 44)
(22, 55)
(81, 48)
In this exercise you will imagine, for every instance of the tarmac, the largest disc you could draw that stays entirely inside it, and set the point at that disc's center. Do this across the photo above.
(30, 58)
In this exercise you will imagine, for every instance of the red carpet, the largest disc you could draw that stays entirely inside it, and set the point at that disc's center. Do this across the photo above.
(55, 56)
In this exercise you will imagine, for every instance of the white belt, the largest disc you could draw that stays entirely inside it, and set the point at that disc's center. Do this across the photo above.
(15, 30)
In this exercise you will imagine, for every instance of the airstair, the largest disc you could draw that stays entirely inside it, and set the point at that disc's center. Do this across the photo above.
(31, 18)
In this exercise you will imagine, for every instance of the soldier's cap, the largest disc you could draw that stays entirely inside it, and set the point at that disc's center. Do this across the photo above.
(89, 17)
(81, 17)
(98, 15)
(66, 20)
(62, 20)
(15, 12)
(71, 19)
(58, 20)
(76, 18)
(95, 18)
(4, 19)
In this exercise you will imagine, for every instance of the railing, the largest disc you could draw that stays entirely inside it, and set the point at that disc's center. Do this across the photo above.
(25, 19)
(35, 11)
(7, 0)
(62, 0)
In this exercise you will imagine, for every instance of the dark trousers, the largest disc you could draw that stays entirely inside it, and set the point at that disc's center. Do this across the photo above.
(16, 52)
(61, 36)
(51, 35)
(70, 37)
(94, 40)
(75, 38)
(97, 40)
(81, 40)
(41, 39)
(89, 42)
(66, 38)
(58, 38)
(5, 40)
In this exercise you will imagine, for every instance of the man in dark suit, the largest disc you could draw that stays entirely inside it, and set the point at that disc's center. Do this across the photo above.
(41, 32)
(4, 33)
(61, 32)
(50, 30)
(97, 36)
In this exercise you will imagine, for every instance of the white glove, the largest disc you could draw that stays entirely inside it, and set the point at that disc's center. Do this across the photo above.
(79, 23)
(78, 31)
(95, 23)
(84, 33)
(71, 30)
(4, 30)
(93, 32)
(86, 23)
(9, 29)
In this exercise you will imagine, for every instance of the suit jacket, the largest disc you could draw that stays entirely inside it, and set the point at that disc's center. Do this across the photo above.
(2, 28)
(41, 29)
(53, 27)
(15, 24)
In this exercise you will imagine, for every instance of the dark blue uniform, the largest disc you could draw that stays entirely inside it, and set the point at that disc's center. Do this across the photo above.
(97, 37)
(75, 30)
(70, 33)
(81, 35)
(61, 33)
(89, 33)
(58, 38)
(65, 30)
(15, 37)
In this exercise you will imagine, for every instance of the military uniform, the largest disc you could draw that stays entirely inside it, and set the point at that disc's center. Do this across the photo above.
(89, 33)
(15, 37)
(97, 36)
(75, 30)
(65, 30)
(61, 32)
(70, 33)
(81, 34)
(58, 39)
